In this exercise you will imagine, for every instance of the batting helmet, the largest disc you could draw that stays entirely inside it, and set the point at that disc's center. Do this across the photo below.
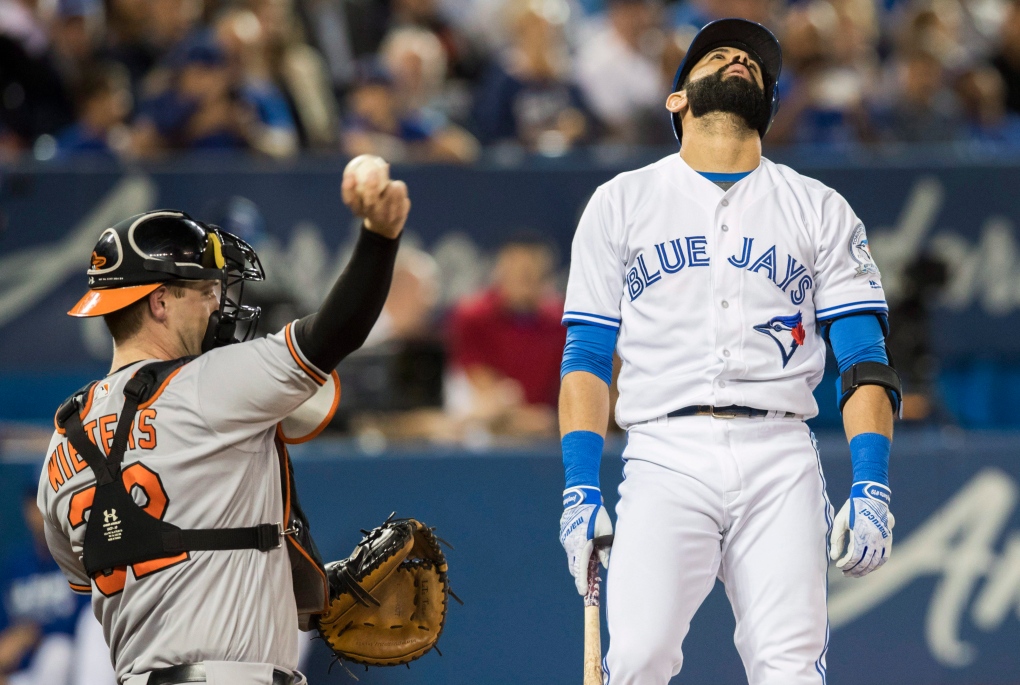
(754, 39)
(142, 253)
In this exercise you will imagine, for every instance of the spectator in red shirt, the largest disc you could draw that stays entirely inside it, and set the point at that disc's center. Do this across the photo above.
(507, 342)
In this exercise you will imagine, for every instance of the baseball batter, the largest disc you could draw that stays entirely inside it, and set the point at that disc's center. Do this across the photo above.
(167, 491)
(718, 276)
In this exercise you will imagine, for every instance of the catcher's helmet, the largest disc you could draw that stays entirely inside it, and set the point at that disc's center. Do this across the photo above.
(140, 254)
(754, 39)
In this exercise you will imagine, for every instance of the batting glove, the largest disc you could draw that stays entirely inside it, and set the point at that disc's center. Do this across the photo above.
(864, 519)
(584, 522)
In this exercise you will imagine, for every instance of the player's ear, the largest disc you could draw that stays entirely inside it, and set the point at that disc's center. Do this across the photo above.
(158, 303)
(677, 102)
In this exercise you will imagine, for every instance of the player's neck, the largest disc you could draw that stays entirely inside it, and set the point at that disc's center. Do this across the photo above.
(715, 143)
(142, 347)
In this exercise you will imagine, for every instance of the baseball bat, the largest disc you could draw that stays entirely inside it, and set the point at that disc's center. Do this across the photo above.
(592, 627)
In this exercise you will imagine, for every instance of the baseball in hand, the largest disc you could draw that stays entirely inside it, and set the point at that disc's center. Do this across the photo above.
(364, 166)
(370, 194)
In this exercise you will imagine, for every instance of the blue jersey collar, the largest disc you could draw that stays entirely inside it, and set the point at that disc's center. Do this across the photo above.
(724, 178)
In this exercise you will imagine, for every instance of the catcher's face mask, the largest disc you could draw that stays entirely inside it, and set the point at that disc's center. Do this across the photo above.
(238, 263)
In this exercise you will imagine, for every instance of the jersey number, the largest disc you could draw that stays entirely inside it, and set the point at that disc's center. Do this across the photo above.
(135, 476)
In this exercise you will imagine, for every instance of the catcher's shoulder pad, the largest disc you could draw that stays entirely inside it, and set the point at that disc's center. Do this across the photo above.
(389, 598)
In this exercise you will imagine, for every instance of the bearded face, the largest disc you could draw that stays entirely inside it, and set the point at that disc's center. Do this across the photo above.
(731, 95)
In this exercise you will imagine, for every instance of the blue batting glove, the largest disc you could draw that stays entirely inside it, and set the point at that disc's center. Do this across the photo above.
(583, 522)
(866, 521)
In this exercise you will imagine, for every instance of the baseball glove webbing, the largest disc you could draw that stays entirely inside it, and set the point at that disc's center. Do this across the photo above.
(389, 598)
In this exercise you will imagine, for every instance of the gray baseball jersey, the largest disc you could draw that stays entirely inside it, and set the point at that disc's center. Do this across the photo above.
(202, 454)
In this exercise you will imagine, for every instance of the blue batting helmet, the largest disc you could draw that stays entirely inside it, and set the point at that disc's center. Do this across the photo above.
(754, 39)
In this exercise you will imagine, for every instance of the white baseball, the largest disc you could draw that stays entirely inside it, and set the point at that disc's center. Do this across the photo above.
(363, 166)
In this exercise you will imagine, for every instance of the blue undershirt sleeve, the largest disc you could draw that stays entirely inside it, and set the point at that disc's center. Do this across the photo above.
(857, 338)
(854, 339)
(589, 348)
(860, 338)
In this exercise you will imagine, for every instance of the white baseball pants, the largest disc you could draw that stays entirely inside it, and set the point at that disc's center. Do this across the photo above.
(738, 499)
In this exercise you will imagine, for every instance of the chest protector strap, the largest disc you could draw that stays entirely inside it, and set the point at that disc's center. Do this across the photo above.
(120, 532)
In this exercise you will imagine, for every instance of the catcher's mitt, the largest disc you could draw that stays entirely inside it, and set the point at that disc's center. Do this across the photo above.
(388, 599)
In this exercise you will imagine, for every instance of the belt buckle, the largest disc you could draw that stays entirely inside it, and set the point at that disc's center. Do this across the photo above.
(716, 414)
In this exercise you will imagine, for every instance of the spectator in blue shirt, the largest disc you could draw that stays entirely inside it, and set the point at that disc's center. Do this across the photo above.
(243, 38)
(103, 102)
(38, 611)
(528, 96)
(822, 89)
(983, 95)
(378, 124)
(201, 109)
(924, 109)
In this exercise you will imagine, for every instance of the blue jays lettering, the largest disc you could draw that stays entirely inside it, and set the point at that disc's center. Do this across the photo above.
(673, 256)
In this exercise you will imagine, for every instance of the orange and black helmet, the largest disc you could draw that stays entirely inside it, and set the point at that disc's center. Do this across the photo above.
(140, 254)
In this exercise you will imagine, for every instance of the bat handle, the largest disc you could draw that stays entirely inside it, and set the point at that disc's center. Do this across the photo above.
(592, 629)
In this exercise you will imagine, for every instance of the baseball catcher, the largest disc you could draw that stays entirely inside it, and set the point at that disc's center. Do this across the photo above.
(168, 493)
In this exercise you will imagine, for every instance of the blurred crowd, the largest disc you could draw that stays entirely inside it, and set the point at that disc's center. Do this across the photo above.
(48, 634)
(440, 80)
(452, 370)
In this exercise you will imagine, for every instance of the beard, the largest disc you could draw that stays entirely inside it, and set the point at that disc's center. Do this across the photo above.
(734, 95)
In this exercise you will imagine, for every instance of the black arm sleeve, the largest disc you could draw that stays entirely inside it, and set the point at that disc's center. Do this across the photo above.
(352, 305)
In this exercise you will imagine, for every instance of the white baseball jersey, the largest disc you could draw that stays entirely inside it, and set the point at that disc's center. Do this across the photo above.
(717, 295)
(201, 454)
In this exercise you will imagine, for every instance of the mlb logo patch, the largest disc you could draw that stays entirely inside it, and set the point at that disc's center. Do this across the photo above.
(102, 390)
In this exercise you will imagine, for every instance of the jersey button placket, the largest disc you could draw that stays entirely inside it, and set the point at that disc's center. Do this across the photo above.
(726, 289)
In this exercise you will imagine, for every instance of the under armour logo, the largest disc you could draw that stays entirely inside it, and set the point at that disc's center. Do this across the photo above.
(110, 516)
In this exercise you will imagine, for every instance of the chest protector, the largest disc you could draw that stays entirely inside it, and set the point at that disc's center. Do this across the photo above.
(121, 533)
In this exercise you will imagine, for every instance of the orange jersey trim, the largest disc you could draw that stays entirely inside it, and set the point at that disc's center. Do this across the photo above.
(83, 413)
(160, 389)
(325, 580)
(293, 352)
(284, 457)
(147, 568)
(325, 422)
(80, 589)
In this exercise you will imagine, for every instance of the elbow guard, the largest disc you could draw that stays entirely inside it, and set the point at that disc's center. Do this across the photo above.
(870, 373)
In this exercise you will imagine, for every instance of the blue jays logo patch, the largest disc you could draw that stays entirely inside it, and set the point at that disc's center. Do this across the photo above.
(777, 328)
(861, 253)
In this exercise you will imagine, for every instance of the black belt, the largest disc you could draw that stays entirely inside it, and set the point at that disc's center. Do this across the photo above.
(731, 412)
(195, 673)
